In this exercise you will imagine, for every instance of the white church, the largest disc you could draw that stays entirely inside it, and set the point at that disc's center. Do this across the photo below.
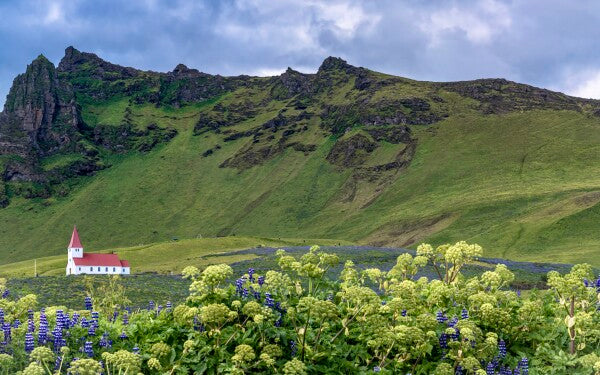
(79, 262)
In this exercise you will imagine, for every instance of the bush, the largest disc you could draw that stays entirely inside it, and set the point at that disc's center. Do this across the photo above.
(297, 321)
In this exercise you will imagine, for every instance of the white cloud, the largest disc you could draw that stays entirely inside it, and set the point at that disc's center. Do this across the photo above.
(54, 14)
(479, 22)
(295, 24)
(584, 84)
(267, 72)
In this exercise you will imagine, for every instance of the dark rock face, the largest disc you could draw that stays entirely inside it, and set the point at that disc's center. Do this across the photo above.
(41, 107)
(94, 66)
(392, 134)
(405, 111)
(125, 137)
(351, 152)
(293, 83)
(334, 63)
(500, 96)
(184, 85)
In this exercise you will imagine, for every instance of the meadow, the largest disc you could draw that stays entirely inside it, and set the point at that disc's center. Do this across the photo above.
(164, 283)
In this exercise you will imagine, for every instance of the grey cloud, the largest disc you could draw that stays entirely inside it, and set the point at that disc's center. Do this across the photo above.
(546, 43)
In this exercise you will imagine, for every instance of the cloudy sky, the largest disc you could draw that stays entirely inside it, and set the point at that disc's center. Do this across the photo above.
(547, 43)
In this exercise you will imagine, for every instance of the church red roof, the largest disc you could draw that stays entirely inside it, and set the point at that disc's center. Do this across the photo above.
(97, 259)
(75, 242)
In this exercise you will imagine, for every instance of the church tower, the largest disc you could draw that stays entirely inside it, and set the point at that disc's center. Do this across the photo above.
(75, 249)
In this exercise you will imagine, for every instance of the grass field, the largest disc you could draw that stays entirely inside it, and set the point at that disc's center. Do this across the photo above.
(166, 257)
(140, 288)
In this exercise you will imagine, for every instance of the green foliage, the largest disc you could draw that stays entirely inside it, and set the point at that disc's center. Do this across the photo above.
(279, 324)
(109, 296)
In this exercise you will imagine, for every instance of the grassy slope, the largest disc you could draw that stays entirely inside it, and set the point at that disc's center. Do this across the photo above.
(168, 257)
(522, 184)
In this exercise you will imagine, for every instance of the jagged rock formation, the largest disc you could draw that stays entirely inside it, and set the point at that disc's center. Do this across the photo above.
(41, 118)
(42, 108)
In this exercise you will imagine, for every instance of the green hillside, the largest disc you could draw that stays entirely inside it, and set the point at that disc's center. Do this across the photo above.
(166, 257)
(507, 167)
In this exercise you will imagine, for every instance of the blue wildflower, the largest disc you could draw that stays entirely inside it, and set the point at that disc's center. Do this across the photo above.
(502, 348)
(29, 342)
(88, 349)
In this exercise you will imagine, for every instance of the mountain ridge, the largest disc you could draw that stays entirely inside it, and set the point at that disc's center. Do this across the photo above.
(344, 152)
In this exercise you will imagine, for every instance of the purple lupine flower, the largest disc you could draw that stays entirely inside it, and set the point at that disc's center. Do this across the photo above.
(524, 366)
(6, 293)
(115, 315)
(1, 317)
(30, 314)
(403, 312)
(376, 369)
(88, 349)
(490, 369)
(245, 293)
(239, 285)
(502, 348)
(151, 305)
(16, 323)
(123, 335)
(261, 280)
(66, 321)
(443, 341)
(6, 328)
(136, 350)
(251, 274)
(92, 330)
(159, 309)
(464, 314)
(440, 317)
(169, 305)
(43, 330)
(293, 348)
(197, 325)
(30, 326)
(29, 342)
(257, 295)
(84, 322)
(103, 343)
(74, 319)
(57, 334)
(452, 322)
(57, 362)
(95, 316)
(88, 303)
(269, 301)
(455, 336)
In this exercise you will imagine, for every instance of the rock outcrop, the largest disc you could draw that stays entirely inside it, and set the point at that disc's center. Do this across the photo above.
(40, 114)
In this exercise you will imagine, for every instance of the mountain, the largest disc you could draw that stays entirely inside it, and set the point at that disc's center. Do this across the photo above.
(136, 156)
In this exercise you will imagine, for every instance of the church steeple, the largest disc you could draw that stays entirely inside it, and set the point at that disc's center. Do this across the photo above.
(75, 248)
(75, 242)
